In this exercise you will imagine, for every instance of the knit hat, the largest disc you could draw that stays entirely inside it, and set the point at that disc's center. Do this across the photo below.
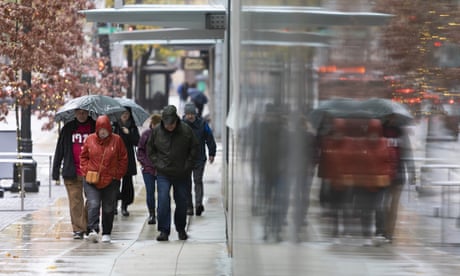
(190, 108)
(169, 114)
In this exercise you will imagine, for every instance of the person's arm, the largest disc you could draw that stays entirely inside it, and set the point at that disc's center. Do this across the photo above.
(84, 157)
(58, 155)
(142, 148)
(210, 142)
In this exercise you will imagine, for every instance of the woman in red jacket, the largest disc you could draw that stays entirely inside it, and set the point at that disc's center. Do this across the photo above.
(103, 152)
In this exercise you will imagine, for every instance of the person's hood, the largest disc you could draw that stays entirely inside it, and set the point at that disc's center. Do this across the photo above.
(103, 122)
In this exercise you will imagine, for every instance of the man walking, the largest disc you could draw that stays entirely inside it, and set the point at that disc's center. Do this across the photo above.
(173, 149)
(205, 139)
(68, 149)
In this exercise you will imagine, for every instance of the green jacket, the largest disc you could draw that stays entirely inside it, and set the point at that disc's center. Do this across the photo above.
(174, 153)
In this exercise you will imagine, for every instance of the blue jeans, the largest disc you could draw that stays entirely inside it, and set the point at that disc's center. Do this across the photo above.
(107, 197)
(164, 203)
(149, 181)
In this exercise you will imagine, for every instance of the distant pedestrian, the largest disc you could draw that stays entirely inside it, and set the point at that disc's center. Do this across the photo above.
(148, 170)
(173, 149)
(205, 139)
(68, 149)
(104, 153)
(198, 98)
(128, 131)
(183, 93)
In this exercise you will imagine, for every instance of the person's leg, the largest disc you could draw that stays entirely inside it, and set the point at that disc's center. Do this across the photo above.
(189, 197)
(93, 204)
(127, 194)
(380, 210)
(164, 204)
(198, 181)
(78, 213)
(391, 216)
(180, 198)
(109, 203)
(149, 180)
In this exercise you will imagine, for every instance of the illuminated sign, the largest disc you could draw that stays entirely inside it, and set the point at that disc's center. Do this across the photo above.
(194, 63)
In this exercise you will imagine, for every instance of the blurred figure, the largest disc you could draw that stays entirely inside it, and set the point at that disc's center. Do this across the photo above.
(148, 170)
(68, 149)
(369, 192)
(182, 91)
(173, 149)
(126, 128)
(198, 98)
(401, 149)
(273, 179)
(103, 152)
(205, 139)
(301, 166)
(340, 196)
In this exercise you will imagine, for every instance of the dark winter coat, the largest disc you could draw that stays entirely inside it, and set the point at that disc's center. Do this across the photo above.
(173, 153)
(205, 138)
(130, 140)
(108, 155)
(64, 151)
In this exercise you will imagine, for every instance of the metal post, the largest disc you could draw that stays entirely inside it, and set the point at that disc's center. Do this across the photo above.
(22, 187)
(50, 174)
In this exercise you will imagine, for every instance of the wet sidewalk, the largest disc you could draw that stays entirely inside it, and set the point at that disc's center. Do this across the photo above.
(38, 240)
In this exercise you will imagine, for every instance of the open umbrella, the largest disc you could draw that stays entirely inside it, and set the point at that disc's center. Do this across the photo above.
(382, 108)
(95, 104)
(138, 112)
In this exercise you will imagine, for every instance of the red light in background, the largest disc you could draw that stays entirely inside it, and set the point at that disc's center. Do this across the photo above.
(437, 44)
(451, 101)
(405, 90)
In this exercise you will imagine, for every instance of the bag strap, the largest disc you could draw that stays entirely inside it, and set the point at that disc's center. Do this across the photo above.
(100, 165)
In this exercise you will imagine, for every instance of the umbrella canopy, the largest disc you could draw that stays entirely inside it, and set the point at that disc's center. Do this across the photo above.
(351, 108)
(138, 112)
(382, 108)
(95, 104)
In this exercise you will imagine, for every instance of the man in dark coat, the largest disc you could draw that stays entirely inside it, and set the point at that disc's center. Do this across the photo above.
(173, 149)
(206, 139)
(68, 149)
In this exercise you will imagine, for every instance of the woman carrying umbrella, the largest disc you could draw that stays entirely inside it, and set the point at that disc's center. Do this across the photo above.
(128, 131)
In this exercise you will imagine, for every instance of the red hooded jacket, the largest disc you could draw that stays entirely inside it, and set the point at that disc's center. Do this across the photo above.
(107, 155)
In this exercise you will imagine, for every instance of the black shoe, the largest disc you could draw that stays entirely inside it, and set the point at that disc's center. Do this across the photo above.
(115, 212)
(152, 220)
(163, 237)
(77, 235)
(199, 210)
(189, 211)
(183, 236)
(124, 211)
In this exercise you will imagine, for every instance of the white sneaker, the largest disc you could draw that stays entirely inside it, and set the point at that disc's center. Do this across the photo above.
(106, 238)
(93, 237)
(368, 242)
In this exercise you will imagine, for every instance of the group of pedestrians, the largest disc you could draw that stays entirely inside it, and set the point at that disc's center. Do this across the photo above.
(363, 165)
(97, 160)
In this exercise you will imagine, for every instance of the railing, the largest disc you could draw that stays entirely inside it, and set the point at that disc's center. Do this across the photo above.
(445, 190)
(20, 160)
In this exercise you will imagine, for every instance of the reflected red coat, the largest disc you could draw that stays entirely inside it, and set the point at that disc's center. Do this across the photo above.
(112, 164)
